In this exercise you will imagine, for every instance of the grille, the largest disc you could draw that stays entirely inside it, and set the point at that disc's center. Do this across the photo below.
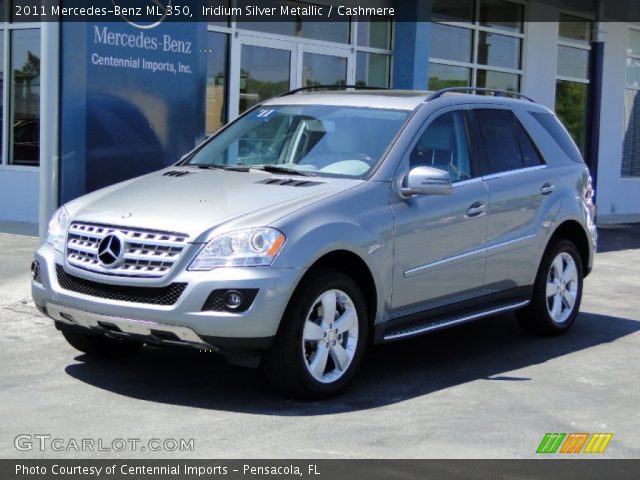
(152, 295)
(146, 253)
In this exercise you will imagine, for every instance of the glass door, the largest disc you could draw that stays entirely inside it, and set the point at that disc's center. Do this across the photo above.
(324, 66)
(265, 70)
(263, 67)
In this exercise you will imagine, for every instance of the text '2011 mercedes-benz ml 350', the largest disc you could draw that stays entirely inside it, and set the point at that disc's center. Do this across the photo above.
(322, 222)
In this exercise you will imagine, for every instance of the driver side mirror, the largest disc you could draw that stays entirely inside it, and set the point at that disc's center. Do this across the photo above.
(426, 181)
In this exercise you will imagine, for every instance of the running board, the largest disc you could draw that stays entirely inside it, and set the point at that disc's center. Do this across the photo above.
(430, 325)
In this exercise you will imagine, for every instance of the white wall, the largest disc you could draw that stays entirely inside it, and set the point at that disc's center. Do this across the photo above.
(618, 199)
(541, 55)
(19, 188)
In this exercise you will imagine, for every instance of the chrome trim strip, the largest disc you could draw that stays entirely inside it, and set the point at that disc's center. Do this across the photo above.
(510, 242)
(81, 318)
(455, 321)
(513, 172)
(416, 270)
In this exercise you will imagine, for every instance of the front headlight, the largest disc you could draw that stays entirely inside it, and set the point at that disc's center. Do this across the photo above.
(253, 247)
(57, 231)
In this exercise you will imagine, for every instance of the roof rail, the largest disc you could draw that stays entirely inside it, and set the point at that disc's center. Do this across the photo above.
(497, 93)
(329, 87)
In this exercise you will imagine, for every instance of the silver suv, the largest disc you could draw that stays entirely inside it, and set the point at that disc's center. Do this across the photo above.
(320, 223)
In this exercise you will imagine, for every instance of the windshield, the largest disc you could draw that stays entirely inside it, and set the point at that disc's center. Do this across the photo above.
(318, 139)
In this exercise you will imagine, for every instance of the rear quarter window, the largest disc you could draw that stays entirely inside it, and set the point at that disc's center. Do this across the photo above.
(559, 134)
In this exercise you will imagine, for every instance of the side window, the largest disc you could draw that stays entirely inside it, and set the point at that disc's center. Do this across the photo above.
(507, 144)
(553, 127)
(530, 155)
(443, 145)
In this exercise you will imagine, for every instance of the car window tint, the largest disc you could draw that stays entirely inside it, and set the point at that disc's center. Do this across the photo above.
(554, 128)
(530, 155)
(500, 139)
(443, 145)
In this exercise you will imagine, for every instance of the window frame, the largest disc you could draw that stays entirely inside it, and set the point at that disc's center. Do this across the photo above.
(474, 165)
(6, 30)
(482, 147)
(476, 29)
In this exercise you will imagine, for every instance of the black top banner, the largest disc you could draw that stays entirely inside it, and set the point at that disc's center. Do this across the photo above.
(148, 13)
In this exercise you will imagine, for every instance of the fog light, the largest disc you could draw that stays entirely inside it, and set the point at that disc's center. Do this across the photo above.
(230, 300)
(35, 271)
(233, 299)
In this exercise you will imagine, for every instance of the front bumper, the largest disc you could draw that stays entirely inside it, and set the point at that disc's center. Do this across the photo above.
(185, 321)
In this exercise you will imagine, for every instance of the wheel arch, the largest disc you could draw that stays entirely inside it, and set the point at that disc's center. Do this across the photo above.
(354, 266)
(573, 231)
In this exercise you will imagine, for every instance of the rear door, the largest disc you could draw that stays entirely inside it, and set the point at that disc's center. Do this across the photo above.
(517, 180)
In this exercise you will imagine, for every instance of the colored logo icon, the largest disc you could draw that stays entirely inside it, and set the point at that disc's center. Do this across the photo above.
(574, 443)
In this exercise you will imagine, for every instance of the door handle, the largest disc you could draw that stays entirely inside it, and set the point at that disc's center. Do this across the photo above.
(476, 209)
(547, 188)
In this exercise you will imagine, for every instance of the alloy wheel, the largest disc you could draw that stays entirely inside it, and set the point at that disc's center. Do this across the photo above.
(330, 336)
(562, 287)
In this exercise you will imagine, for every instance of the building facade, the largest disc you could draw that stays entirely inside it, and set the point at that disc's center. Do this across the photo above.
(88, 104)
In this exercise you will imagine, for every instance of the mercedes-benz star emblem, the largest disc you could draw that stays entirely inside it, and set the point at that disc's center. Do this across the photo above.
(110, 250)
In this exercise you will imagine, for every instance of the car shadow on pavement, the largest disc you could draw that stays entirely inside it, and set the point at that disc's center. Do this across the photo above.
(484, 350)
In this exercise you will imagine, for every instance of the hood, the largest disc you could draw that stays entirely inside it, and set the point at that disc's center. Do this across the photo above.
(193, 201)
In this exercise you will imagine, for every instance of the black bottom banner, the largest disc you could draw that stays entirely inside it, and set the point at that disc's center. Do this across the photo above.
(319, 469)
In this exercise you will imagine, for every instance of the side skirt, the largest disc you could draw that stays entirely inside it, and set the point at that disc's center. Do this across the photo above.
(440, 318)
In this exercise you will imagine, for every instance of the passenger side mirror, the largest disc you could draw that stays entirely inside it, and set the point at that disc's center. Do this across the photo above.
(426, 181)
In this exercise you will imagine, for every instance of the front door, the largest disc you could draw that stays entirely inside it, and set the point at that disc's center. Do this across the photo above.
(440, 239)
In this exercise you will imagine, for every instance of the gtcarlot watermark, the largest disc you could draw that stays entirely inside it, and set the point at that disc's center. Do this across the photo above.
(27, 442)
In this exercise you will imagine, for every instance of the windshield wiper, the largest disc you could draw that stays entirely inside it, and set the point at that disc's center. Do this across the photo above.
(213, 166)
(279, 169)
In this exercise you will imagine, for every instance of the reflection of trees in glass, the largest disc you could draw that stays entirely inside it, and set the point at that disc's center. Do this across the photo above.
(253, 90)
(31, 68)
(436, 83)
(27, 88)
(571, 102)
(309, 82)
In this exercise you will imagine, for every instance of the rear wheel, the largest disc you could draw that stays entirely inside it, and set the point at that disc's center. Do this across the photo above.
(100, 345)
(322, 337)
(557, 292)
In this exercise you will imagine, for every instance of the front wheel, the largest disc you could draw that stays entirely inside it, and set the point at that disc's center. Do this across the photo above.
(322, 337)
(557, 292)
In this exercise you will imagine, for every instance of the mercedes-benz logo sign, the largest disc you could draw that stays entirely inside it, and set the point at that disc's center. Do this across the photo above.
(110, 251)
(161, 6)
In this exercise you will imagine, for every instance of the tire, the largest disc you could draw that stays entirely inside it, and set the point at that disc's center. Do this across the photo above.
(101, 346)
(556, 298)
(315, 356)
